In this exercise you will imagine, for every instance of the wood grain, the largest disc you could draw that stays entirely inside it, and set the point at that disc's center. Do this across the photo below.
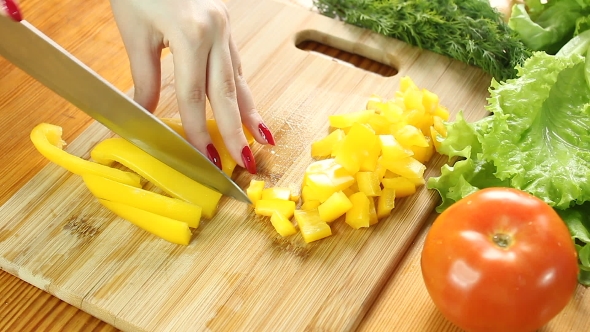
(402, 304)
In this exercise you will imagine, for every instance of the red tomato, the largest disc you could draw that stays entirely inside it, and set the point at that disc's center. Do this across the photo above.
(499, 260)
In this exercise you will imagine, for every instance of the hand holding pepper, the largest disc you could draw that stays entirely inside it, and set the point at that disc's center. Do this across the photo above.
(207, 65)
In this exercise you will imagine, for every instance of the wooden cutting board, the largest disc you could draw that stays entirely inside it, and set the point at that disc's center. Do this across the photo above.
(237, 273)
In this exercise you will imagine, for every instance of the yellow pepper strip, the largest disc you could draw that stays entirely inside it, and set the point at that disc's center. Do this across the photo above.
(266, 207)
(47, 140)
(325, 146)
(369, 183)
(347, 120)
(228, 164)
(402, 186)
(310, 205)
(373, 217)
(171, 230)
(311, 225)
(282, 225)
(149, 201)
(161, 175)
(334, 207)
(254, 190)
(407, 167)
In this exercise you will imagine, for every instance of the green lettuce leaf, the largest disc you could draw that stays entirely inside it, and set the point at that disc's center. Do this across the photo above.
(577, 219)
(548, 26)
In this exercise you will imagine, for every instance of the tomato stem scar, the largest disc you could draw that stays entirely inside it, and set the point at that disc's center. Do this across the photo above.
(502, 240)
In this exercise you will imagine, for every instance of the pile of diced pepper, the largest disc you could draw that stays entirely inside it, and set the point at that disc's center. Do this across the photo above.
(369, 158)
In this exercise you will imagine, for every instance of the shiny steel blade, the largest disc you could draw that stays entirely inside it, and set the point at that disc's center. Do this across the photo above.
(43, 59)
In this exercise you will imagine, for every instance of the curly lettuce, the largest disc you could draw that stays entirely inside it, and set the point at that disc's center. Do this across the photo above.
(548, 25)
(537, 139)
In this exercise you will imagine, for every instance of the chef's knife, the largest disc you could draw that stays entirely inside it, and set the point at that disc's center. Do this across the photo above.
(43, 59)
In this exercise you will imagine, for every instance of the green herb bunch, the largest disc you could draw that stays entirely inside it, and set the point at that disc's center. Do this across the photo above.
(470, 31)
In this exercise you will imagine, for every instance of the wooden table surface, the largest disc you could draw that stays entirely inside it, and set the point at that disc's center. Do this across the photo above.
(87, 30)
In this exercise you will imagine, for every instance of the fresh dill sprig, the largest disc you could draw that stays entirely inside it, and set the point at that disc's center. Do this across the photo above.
(470, 31)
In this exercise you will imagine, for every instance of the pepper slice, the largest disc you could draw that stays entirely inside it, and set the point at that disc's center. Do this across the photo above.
(161, 175)
(47, 140)
(168, 229)
(149, 201)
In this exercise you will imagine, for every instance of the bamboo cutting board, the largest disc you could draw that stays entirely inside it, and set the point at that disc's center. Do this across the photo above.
(237, 274)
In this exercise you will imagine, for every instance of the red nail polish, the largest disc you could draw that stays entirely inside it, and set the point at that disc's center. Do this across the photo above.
(248, 159)
(265, 132)
(11, 9)
(213, 155)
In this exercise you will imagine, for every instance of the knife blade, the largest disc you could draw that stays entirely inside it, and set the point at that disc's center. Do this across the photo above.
(50, 64)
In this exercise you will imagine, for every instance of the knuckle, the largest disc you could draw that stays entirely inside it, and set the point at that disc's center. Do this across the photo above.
(193, 96)
(228, 88)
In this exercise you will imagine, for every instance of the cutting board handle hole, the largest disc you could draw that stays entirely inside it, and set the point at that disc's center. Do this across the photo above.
(342, 52)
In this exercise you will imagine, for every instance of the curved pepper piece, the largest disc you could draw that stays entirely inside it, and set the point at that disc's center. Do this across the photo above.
(47, 140)
(227, 162)
(168, 229)
(165, 206)
(161, 175)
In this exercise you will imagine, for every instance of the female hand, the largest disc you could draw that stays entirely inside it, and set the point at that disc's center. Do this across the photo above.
(10, 9)
(206, 65)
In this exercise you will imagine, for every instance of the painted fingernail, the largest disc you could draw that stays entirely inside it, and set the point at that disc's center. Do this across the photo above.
(11, 9)
(213, 155)
(265, 132)
(248, 159)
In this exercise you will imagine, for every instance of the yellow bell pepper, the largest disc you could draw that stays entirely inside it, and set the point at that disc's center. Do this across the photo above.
(392, 149)
(254, 190)
(349, 119)
(310, 205)
(439, 126)
(161, 175)
(47, 140)
(369, 183)
(430, 101)
(323, 178)
(266, 207)
(413, 100)
(401, 185)
(358, 215)
(354, 147)
(409, 135)
(407, 167)
(423, 153)
(311, 226)
(325, 146)
(228, 164)
(282, 225)
(406, 84)
(386, 202)
(171, 230)
(373, 218)
(334, 207)
(283, 193)
(149, 201)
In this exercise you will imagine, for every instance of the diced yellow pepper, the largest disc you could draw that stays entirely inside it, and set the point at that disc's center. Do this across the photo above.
(369, 157)
(393, 113)
(47, 140)
(373, 218)
(323, 178)
(310, 205)
(348, 119)
(254, 190)
(324, 147)
(334, 207)
(369, 183)
(423, 154)
(161, 175)
(442, 112)
(386, 203)
(406, 84)
(413, 100)
(409, 135)
(139, 198)
(282, 225)
(392, 149)
(439, 125)
(375, 103)
(358, 216)
(350, 190)
(311, 225)
(266, 207)
(378, 123)
(283, 193)
(354, 146)
(407, 167)
(171, 230)
(430, 101)
(401, 185)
